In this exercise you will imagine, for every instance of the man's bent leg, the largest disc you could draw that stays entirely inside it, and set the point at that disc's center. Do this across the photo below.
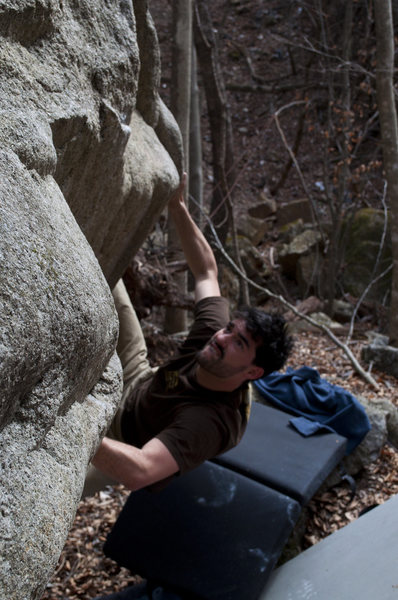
(131, 346)
(132, 351)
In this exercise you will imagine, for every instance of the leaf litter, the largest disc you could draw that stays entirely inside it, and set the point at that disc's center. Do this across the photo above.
(83, 572)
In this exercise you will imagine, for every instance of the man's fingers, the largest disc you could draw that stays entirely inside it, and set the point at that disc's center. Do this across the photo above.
(183, 181)
(178, 194)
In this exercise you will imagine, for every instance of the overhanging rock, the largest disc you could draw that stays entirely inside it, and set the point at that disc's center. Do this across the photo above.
(57, 335)
(87, 162)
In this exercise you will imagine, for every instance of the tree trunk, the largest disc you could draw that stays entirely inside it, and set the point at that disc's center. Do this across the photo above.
(344, 124)
(195, 148)
(176, 319)
(389, 137)
(220, 123)
(224, 172)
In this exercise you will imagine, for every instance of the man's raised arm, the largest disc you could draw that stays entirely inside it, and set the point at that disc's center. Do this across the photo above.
(197, 251)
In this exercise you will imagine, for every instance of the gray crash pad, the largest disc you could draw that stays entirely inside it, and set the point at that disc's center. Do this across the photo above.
(358, 562)
(272, 452)
(212, 534)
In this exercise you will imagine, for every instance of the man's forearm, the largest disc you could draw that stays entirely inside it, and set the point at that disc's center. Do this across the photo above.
(197, 251)
(134, 467)
(114, 459)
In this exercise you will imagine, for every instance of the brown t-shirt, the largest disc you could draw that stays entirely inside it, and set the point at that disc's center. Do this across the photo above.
(194, 423)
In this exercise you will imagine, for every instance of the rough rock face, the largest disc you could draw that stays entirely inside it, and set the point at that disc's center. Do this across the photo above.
(87, 161)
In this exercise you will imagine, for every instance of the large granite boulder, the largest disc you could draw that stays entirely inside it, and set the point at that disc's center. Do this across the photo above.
(57, 335)
(88, 156)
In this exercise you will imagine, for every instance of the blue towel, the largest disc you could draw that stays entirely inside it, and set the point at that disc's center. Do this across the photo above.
(318, 404)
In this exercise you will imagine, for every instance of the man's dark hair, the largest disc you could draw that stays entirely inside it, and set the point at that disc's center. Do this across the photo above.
(269, 331)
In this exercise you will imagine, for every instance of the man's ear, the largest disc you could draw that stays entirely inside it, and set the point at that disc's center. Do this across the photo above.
(255, 372)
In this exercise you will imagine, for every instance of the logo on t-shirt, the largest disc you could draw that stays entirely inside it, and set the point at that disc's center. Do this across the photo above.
(171, 379)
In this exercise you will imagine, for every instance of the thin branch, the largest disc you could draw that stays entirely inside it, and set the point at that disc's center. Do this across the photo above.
(246, 55)
(285, 142)
(294, 160)
(309, 47)
(365, 131)
(273, 88)
(373, 279)
(354, 67)
(233, 168)
(296, 145)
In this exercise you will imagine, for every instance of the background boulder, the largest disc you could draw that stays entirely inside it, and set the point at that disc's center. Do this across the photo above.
(381, 354)
(364, 234)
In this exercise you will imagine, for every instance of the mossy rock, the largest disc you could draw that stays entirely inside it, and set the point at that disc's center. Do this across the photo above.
(363, 241)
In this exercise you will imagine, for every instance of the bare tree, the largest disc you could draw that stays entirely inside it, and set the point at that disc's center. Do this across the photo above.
(224, 171)
(220, 122)
(195, 145)
(389, 136)
(176, 319)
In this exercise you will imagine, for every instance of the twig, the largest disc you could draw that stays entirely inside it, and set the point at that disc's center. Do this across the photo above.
(246, 55)
(373, 279)
(294, 151)
(272, 88)
(294, 160)
(309, 47)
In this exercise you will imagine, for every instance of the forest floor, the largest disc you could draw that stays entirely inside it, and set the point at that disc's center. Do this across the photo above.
(84, 572)
(260, 43)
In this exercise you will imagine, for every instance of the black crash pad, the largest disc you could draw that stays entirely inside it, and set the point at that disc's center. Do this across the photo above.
(135, 592)
(213, 533)
(274, 453)
(143, 591)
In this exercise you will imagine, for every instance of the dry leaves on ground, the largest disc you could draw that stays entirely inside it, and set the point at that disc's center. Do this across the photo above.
(83, 571)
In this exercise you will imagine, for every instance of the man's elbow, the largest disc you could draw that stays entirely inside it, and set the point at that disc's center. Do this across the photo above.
(207, 286)
(133, 486)
(152, 463)
(140, 478)
(212, 268)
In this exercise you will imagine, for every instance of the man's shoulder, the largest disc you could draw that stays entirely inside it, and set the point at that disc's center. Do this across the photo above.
(210, 300)
(210, 315)
(212, 308)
